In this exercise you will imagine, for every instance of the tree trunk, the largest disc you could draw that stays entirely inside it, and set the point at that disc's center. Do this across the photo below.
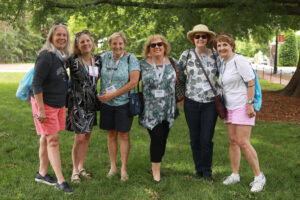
(293, 88)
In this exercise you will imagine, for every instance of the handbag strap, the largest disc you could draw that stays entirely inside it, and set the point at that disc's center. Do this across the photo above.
(138, 85)
(214, 91)
(173, 63)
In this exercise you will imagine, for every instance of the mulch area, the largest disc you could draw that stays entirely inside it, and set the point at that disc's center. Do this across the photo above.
(278, 108)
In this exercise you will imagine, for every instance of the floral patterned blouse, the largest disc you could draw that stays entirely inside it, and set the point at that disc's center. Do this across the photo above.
(197, 86)
(157, 109)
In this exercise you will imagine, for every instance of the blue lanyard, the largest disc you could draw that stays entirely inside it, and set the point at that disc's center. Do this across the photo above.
(86, 68)
(159, 75)
(204, 62)
(223, 65)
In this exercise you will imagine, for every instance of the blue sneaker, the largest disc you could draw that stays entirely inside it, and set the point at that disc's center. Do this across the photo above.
(47, 179)
(65, 187)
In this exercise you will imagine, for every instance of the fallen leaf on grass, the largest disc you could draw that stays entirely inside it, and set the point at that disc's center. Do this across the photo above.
(12, 166)
(153, 194)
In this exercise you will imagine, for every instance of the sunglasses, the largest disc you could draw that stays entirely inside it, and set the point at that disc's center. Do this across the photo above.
(82, 32)
(200, 36)
(153, 45)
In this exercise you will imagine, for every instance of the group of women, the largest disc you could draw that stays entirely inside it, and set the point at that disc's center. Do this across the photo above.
(120, 72)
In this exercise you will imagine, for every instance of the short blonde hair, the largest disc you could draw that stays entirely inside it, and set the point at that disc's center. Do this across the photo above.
(146, 48)
(75, 49)
(225, 37)
(115, 35)
(49, 46)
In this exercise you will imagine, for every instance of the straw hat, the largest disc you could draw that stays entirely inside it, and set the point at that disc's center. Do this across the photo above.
(200, 28)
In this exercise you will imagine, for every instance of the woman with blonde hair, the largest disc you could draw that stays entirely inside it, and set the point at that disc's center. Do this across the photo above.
(49, 86)
(120, 73)
(83, 102)
(158, 80)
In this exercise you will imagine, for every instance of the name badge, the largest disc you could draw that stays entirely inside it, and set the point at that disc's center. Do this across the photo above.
(111, 89)
(159, 93)
(206, 86)
(93, 71)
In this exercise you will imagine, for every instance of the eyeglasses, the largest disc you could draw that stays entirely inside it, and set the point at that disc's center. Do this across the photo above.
(82, 32)
(153, 45)
(200, 36)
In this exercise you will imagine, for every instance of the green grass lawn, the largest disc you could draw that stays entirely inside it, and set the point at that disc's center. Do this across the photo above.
(277, 145)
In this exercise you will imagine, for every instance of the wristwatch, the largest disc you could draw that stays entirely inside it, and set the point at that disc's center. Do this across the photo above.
(250, 101)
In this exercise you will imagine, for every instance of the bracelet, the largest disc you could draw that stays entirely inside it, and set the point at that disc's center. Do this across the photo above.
(251, 85)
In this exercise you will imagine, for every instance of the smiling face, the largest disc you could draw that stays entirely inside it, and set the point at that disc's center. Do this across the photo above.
(200, 42)
(157, 48)
(224, 49)
(60, 38)
(85, 44)
(117, 46)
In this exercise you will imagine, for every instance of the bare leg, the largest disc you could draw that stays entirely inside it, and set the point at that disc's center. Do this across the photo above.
(243, 139)
(112, 144)
(54, 156)
(43, 155)
(156, 171)
(124, 150)
(234, 149)
(85, 145)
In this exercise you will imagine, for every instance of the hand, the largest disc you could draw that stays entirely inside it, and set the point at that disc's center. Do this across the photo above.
(107, 96)
(250, 111)
(41, 116)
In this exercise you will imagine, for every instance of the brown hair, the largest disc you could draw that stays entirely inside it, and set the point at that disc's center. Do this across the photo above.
(146, 48)
(225, 37)
(75, 49)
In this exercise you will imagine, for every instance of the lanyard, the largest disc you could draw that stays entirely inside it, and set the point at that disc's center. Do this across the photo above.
(159, 74)
(86, 68)
(204, 62)
(112, 69)
(223, 65)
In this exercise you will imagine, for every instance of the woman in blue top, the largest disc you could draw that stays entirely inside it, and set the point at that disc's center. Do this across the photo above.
(159, 79)
(119, 74)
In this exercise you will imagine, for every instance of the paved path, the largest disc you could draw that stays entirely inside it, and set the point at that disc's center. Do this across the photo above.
(15, 67)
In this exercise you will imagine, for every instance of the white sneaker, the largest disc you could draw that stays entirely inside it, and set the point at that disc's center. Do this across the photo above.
(258, 183)
(232, 179)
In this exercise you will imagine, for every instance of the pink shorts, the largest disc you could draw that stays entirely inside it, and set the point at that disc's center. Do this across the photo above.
(239, 116)
(54, 122)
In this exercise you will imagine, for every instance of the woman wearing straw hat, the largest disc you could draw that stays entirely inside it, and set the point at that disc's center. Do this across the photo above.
(199, 106)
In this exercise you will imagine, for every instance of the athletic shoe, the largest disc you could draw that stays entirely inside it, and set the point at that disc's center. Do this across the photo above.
(258, 183)
(232, 179)
(65, 187)
(47, 179)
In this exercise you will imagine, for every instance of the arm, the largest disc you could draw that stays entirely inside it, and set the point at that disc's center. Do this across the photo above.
(251, 91)
(41, 109)
(134, 79)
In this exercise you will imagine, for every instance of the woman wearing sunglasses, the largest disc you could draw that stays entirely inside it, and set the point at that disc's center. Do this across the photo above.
(199, 106)
(83, 102)
(158, 79)
(120, 73)
(49, 86)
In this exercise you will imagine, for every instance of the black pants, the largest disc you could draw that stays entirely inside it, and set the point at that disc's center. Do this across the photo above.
(158, 135)
(201, 119)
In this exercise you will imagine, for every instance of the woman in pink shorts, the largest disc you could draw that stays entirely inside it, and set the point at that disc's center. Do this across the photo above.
(49, 86)
(235, 70)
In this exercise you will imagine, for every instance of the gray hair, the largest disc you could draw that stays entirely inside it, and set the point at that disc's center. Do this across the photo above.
(49, 44)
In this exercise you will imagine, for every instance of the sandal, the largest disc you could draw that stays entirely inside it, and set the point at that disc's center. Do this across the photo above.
(111, 174)
(75, 178)
(124, 177)
(83, 173)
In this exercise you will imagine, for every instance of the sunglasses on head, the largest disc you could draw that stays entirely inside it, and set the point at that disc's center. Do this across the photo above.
(153, 45)
(82, 32)
(200, 36)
